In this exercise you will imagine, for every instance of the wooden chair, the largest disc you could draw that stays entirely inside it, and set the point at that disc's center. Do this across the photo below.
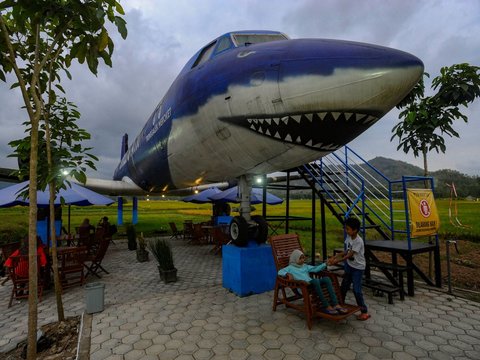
(220, 238)
(7, 250)
(301, 295)
(95, 266)
(198, 235)
(18, 272)
(71, 266)
(177, 234)
(188, 230)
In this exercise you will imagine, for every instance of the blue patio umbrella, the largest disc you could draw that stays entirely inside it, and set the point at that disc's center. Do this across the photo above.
(256, 196)
(73, 195)
(203, 196)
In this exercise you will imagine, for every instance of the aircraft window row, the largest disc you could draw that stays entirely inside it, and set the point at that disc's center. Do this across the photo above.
(249, 39)
(225, 43)
(205, 54)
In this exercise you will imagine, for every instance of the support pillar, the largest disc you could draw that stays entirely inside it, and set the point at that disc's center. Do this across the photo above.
(120, 210)
(135, 210)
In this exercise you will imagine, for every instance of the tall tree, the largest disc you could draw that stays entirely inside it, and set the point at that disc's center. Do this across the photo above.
(33, 34)
(425, 120)
(60, 142)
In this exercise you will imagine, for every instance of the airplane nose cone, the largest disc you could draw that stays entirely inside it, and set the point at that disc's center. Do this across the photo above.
(318, 74)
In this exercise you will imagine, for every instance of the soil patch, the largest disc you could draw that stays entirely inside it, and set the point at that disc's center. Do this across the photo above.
(464, 266)
(59, 342)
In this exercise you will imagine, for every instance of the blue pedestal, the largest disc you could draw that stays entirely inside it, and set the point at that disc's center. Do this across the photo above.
(248, 270)
(42, 229)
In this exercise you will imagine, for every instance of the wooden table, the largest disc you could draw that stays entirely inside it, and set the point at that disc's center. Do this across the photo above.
(71, 265)
(400, 248)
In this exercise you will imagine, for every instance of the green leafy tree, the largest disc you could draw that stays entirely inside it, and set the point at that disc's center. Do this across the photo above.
(425, 120)
(37, 40)
(60, 143)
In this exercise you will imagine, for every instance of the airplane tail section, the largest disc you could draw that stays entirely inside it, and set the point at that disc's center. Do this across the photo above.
(124, 148)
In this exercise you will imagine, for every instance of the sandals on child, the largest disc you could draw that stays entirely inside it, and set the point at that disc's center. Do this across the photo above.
(363, 316)
(330, 311)
(341, 310)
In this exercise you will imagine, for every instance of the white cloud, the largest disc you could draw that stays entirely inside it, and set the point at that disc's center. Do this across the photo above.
(163, 35)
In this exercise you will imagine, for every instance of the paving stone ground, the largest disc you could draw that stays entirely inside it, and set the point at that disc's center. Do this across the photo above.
(196, 318)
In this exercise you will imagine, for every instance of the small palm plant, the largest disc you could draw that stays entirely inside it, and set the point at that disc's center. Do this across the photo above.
(142, 253)
(162, 251)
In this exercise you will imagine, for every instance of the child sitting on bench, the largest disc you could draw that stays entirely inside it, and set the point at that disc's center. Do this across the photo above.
(298, 270)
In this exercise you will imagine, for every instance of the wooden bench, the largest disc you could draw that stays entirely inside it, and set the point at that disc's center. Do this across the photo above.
(396, 269)
(382, 287)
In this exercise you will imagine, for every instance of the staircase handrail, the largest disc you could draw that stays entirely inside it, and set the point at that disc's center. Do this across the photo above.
(348, 149)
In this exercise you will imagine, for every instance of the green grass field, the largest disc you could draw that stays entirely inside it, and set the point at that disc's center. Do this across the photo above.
(154, 216)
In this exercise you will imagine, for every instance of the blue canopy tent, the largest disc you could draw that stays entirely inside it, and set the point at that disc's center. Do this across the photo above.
(256, 196)
(203, 196)
(73, 195)
(218, 207)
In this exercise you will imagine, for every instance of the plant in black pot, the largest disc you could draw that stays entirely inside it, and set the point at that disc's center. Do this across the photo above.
(142, 253)
(162, 251)
(131, 236)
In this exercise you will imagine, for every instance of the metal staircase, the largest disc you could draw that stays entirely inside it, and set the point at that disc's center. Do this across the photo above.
(350, 186)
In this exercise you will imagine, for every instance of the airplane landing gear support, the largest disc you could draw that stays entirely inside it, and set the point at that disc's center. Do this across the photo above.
(246, 227)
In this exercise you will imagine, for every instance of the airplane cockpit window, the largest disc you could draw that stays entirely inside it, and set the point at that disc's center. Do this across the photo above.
(204, 54)
(249, 39)
(223, 44)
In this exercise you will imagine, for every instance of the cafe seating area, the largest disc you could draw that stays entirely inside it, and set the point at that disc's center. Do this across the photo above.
(78, 256)
(202, 233)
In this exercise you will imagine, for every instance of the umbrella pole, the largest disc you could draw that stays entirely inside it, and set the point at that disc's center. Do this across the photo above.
(69, 218)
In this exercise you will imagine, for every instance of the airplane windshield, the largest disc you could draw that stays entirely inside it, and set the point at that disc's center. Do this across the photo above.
(249, 39)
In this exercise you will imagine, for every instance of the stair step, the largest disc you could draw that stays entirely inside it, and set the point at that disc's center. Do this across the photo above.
(373, 226)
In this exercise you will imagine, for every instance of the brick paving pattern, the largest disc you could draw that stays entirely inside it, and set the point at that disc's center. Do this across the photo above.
(196, 318)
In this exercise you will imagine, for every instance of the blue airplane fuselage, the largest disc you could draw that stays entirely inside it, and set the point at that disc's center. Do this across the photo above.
(254, 102)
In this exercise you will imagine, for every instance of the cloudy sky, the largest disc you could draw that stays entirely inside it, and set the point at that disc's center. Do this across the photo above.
(163, 35)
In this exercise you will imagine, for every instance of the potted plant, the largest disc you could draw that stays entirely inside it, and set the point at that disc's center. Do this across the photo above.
(142, 254)
(162, 251)
(132, 237)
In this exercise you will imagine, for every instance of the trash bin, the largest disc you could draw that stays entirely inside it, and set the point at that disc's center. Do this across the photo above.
(94, 297)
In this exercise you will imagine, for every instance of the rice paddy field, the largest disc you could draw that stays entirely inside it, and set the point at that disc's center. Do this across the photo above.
(154, 216)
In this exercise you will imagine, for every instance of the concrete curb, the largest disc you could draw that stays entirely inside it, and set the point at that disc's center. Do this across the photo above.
(83, 347)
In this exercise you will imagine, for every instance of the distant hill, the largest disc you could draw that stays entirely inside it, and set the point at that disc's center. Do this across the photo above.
(394, 170)
(465, 185)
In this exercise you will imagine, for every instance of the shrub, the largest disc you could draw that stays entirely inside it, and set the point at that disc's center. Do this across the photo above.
(162, 251)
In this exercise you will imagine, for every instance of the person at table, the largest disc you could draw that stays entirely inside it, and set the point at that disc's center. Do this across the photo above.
(108, 228)
(22, 266)
(86, 225)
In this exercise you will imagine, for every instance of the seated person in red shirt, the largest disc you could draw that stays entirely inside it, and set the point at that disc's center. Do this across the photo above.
(22, 268)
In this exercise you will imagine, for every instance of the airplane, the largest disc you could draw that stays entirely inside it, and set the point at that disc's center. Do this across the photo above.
(255, 102)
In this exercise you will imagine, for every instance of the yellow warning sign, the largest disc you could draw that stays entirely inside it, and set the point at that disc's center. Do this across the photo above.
(424, 218)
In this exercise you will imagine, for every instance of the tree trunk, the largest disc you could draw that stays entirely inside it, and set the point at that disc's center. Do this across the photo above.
(32, 245)
(53, 237)
(427, 186)
(425, 164)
